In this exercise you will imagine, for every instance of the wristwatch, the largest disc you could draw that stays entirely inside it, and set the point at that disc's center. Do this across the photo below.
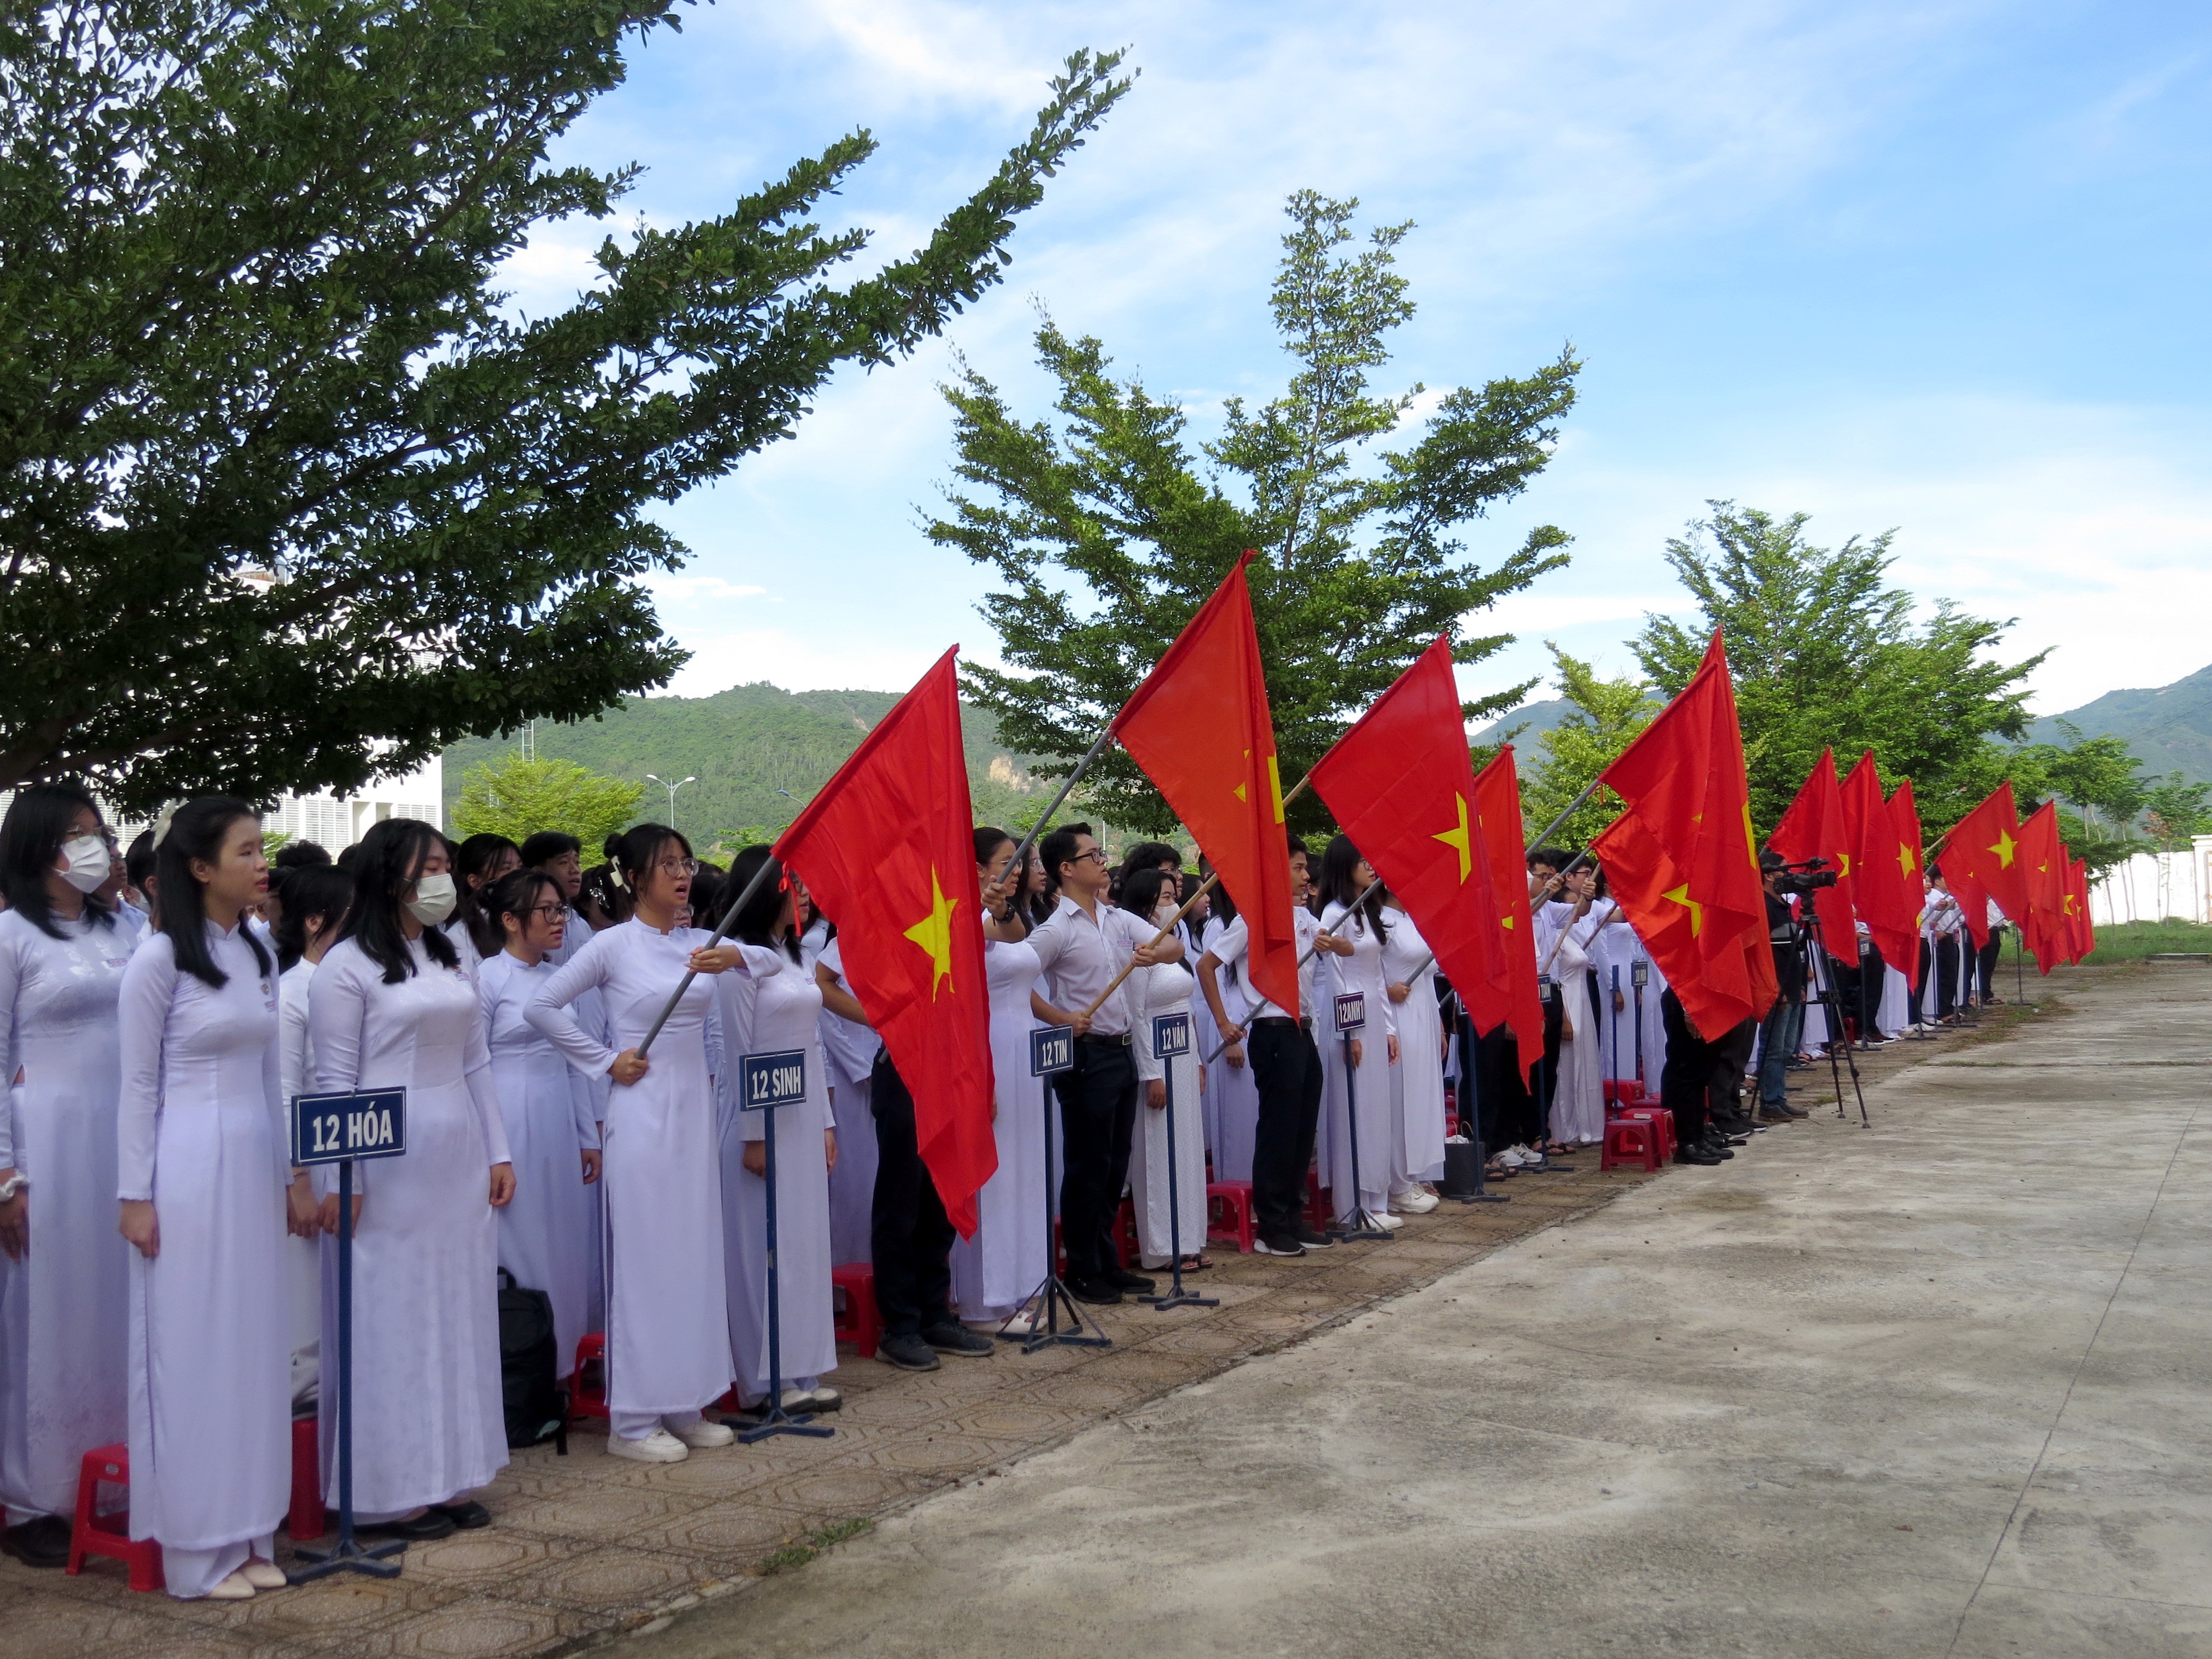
(13, 1185)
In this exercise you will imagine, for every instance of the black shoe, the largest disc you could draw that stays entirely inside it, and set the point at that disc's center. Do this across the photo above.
(43, 1542)
(907, 1351)
(421, 1530)
(1730, 1123)
(1312, 1240)
(1277, 1245)
(1095, 1291)
(466, 1515)
(1714, 1147)
(1122, 1280)
(957, 1339)
(1697, 1155)
(1780, 1113)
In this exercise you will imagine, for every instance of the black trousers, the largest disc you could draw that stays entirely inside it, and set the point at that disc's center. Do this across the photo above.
(1555, 1006)
(1986, 960)
(1731, 1054)
(1287, 1069)
(1947, 976)
(1097, 1119)
(1511, 1114)
(908, 1234)
(1687, 1080)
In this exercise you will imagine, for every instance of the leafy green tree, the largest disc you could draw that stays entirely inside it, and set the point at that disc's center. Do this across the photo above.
(1109, 531)
(516, 798)
(1607, 715)
(288, 496)
(1825, 652)
(2174, 810)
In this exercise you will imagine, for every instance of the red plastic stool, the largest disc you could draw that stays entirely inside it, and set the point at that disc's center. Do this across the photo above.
(307, 1519)
(589, 1399)
(110, 1535)
(1229, 1212)
(1630, 1140)
(860, 1323)
(1662, 1120)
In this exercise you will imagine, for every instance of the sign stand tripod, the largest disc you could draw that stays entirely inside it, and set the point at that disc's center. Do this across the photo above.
(766, 1083)
(1052, 1049)
(1350, 1016)
(1171, 1038)
(337, 1129)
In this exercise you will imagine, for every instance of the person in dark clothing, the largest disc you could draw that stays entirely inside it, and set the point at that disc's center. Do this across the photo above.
(1685, 1083)
(911, 1239)
(1785, 1021)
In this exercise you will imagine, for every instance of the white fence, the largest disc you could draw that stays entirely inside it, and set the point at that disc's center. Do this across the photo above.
(2153, 886)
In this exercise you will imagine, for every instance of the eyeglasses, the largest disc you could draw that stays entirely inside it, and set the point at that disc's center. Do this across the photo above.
(547, 911)
(676, 867)
(1098, 853)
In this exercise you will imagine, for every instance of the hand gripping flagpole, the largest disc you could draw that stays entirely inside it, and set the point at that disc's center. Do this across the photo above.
(729, 920)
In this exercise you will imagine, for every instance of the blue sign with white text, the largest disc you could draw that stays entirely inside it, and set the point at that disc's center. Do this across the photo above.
(1351, 1011)
(330, 1128)
(1052, 1048)
(766, 1081)
(1170, 1034)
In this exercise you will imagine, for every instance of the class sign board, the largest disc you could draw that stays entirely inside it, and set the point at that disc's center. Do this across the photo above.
(768, 1081)
(1351, 1011)
(1170, 1034)
(1639, 974)
(1052, 1048)
(331, 1128)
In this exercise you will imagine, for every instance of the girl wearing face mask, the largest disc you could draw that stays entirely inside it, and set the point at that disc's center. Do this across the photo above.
(208, 1193)
(995, 1272)
(391, 1006)
(1165, 989)
(668, 1322)
(545, 1235)
(64, 1278)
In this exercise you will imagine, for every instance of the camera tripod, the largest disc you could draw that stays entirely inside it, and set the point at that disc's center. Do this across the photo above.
(1813, 951)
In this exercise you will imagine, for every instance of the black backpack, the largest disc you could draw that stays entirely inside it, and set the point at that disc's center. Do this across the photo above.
(536, 1411)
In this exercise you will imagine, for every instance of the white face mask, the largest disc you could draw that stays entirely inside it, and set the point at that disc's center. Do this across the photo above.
(84, 864)
(434, 899)
(1164, 912)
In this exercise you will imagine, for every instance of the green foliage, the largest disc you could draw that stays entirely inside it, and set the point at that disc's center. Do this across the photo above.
(1604, 719)
(759, 754)
(2176, 809)
(289, 498)
(2131, 941)
(516, 798)
(1823, 652)
(1108, 537)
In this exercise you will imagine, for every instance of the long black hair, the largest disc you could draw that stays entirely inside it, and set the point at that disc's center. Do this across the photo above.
(31, 838)
(637, 849)
(472, 863)
(198, 831)
(1220, 904)
(385, 863)
(321, 891)
(755, 923)
(1140, 893)
(516, 894)
(1337, 884)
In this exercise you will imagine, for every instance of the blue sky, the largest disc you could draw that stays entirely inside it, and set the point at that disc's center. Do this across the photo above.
(1939, 267)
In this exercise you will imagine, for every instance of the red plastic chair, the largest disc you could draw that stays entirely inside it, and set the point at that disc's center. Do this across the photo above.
(1630, 1141)
(110, 1535)
(859, 1322)
(1229, 1212)
(589, 1399)
(1660, 1120)
(1125, 1232)
(307, 1519)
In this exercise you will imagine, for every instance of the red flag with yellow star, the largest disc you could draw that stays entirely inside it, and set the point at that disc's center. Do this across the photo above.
(1497, 822)
(1200, 727)
(1905, 825)
(1681, 860)
(1880, 891)
(1984, 847)
(2043, 857)
(1812, 827)
(2081, 934)
(1401, 784)
(887, 849)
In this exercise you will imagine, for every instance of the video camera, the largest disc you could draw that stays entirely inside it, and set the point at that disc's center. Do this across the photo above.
(1809, 877)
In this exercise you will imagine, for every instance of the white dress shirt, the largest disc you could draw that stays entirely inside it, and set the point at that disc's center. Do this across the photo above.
(1082, 951)
(1231, 948)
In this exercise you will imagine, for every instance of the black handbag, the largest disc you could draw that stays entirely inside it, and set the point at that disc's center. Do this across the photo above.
(528, 1359)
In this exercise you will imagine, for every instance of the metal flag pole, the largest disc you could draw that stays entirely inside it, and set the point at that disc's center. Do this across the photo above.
(1036, 830)
(1220, 1048)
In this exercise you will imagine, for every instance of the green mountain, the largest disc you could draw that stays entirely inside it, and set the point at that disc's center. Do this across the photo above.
(2169, 728)
(1534, 720)
(746, 746)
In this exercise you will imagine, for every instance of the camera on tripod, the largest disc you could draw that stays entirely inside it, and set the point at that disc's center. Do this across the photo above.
(1809, 877)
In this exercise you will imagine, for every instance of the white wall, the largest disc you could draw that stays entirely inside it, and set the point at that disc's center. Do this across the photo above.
(333, 821)
(2153, 886)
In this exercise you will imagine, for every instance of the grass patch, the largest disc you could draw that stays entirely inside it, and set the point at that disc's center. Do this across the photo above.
(2132, 941)
(799, 1553)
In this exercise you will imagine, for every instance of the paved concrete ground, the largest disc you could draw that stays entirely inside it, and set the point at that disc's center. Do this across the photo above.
(1936, 1388)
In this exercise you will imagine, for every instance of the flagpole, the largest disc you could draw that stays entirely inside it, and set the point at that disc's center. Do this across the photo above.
(1168, 932)
(1310, 951)
(1552, 828)
(728, 921)
(1036, 830)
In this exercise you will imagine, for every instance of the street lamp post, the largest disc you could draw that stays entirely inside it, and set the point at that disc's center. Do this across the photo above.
(671, 788)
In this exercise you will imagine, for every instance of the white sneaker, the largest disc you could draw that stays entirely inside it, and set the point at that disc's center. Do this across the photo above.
(1385, 1220)
(1514, 1156)
(659, 1447)
(824, 1400)
(699, 1433)
(1021, 1324)
(1415, 1202)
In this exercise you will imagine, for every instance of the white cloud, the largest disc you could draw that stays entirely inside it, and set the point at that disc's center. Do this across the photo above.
(680, 588)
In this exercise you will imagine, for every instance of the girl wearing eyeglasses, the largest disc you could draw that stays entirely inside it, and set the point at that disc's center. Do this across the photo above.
(668, 1328)
(545, 1235)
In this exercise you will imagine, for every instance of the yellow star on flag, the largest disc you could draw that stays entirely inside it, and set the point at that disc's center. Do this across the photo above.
(1905, 862)
(2069, 904)
(1682, 896)
(1457, 839)
(1843, 864)
(2003, 848)
(933, 933)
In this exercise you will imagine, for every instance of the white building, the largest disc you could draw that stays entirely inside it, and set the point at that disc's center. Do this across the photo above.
(2153, 886)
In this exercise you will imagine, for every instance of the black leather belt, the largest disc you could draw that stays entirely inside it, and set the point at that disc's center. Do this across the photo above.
(1119, 1040)
(1282, 1020)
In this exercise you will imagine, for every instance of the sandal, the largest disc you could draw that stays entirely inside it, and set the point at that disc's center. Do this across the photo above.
(1196, 1264)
